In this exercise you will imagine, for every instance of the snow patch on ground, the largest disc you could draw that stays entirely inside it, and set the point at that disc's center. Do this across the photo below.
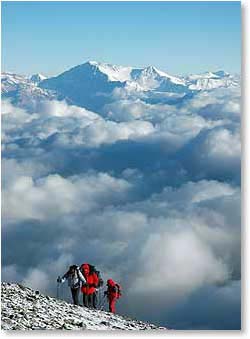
(25, 309)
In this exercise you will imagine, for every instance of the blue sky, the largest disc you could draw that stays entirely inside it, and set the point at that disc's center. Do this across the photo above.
(178, 37)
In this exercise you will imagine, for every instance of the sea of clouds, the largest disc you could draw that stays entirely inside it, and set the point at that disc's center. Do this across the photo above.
(149, 191)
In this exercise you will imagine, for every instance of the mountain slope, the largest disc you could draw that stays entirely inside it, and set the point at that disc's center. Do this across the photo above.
(25, 309)
(85, 85)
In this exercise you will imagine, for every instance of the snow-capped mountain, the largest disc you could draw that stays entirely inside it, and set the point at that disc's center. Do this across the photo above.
(36, 78)
(113, 72)
(92, 85)
(150, 78)
(24, 91)
(25, 309)
(210, 80)
(86, 85)
(10, 82)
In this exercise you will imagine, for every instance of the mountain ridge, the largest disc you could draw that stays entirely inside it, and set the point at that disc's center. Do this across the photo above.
(93, 85)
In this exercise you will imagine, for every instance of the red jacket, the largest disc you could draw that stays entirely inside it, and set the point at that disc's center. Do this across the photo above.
(91, 280)
(113, 290)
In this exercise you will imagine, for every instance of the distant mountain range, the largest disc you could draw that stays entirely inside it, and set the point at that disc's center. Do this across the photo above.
(93, 84)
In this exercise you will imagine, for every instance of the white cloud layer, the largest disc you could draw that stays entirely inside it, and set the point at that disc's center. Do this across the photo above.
(150, 194)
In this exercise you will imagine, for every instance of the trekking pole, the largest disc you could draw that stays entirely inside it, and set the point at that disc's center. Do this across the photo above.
(58, 287)
(62, 292)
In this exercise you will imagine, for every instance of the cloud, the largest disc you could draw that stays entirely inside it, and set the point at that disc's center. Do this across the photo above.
(55, 196)
(176, 234)
(150, 194)
(222, 308)
(9, 272)
(214, 153)
(109, 132)
(14, 169)
(222, 105)
(69, 126)
(183, 262)
(62, 109)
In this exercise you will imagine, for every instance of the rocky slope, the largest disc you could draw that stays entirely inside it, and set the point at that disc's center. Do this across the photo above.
(26, 309)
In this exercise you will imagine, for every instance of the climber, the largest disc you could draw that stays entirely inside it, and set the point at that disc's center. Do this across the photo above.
(89, 288)
(113, 293)
(75, 280)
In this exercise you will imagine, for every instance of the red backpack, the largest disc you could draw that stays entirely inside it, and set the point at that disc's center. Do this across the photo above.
(114, 288)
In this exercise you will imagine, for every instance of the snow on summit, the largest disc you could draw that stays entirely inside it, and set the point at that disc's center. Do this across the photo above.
(122, 73)
(37, 77)
(114, 73)
(210, 80)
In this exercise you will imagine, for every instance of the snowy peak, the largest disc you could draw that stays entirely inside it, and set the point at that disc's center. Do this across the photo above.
(97, 69)
(25, 309)
(139, 75)
(23, 92)
(150, 78)
(89, 85)
(210, 80)
(113, 72)
(10, 81)
(36, 78)
(221, 74)
(209, 75)
(152, 71)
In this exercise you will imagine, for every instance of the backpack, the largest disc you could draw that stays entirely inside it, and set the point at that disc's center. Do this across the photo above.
(118, 290)
(92, 269)
(72, 275)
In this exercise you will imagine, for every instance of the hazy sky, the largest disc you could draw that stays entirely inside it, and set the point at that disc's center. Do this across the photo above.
(178, 37)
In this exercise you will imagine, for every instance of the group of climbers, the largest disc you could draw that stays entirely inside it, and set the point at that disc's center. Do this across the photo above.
(88, 280)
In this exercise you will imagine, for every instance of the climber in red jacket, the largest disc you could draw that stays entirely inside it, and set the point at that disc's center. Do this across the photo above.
(88, 289)
(113, 293)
